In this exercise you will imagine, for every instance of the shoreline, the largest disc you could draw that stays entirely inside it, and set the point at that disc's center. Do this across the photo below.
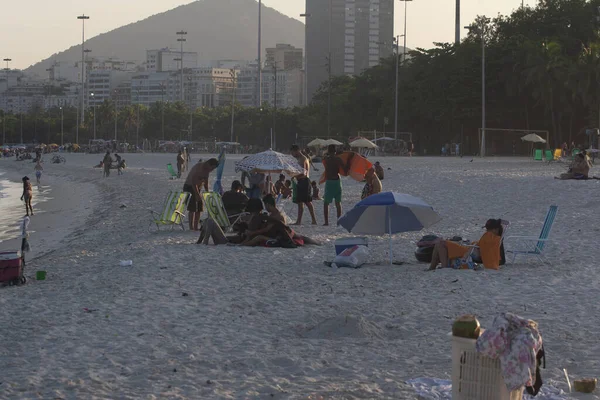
(56, 211)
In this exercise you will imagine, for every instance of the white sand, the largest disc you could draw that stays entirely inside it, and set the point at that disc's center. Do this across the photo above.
(274, 323)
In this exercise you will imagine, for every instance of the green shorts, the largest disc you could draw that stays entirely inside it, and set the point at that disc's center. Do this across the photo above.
(333, 192)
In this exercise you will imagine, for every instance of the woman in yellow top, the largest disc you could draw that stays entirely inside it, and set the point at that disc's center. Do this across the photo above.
(446, 252)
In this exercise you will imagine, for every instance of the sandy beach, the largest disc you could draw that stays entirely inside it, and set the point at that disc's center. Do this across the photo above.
(196, 322)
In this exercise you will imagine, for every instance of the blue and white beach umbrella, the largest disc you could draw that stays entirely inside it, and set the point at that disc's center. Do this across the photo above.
(389, 213)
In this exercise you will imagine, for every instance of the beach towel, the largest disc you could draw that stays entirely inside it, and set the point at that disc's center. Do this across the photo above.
(357, 166)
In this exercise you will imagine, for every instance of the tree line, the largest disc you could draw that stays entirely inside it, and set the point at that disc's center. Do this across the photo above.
(542, 73)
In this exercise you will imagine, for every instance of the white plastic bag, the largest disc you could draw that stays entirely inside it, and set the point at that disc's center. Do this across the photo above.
(352, 257)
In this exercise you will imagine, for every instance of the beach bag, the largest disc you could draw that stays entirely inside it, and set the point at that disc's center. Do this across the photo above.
(352, 257)
(535, 389)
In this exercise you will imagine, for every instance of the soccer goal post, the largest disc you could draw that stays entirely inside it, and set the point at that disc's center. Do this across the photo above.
(507, 142)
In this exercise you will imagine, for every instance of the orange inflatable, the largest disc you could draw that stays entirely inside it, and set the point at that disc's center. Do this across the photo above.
(358, 166)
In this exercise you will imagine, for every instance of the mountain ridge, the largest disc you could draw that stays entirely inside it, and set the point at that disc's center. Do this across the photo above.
(217, 29)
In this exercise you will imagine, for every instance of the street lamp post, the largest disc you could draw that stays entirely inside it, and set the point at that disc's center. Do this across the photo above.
(94, 106)
(116, 117)
(396, 92)
(181, 40)
(482, 31)
(405, 22)
(307, 17)
(5, 108)
(83, 18)
(137, 125)
(329, 71)
(234, 84)
(62, 132)
(259, 78)
(457, 24)
(162, 109)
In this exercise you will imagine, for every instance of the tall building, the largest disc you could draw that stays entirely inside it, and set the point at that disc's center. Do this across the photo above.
(166, 59)
(360, 33)
(284, 56)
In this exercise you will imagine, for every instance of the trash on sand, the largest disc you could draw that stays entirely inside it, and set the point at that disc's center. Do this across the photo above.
(126, 263)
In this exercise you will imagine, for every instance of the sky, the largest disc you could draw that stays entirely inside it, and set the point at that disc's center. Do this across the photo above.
(32, 30)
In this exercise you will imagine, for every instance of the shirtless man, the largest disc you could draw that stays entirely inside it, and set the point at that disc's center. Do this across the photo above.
(333, 186)
(198, 176)
(303, 195)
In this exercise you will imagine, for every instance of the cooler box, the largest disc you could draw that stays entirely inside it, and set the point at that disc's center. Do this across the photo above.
(345, 243)
(11, 265)
(475, 377)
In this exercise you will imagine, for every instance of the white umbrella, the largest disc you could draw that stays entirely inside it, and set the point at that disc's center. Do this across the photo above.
(363, 144)
(315, 143)
(331, 142)
(385, 139)
(533, 138)
(270, 162)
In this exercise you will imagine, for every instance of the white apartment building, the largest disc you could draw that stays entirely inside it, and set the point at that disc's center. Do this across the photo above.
(164, 60)
(101, 85)
(148, 88)
(9, 79)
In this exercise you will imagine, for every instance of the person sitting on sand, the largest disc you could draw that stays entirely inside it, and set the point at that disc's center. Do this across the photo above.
(579, 170)
(262, 227)
(271, 208)
(447, 252)
(372, 185)
(121, 166)
(279, 184)
(286, 190)
(235, 200)
(27, 195)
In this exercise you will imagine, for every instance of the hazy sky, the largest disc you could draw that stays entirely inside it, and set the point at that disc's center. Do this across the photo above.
(35, 29)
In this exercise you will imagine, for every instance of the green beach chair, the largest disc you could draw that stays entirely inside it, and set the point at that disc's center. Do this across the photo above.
(537, 156)
(173, 212)
(172, 171)
(216, 210)
(535, 245)
(549, 156)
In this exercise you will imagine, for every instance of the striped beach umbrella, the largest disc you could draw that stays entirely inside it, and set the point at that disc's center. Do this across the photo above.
(270, 162)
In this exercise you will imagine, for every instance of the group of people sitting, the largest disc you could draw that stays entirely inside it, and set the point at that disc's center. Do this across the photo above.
(260, 223)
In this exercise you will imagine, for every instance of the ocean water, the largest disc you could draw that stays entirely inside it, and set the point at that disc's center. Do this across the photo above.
(12, 208)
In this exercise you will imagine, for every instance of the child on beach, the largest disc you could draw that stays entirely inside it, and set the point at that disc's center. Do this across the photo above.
(315, 191)
(27, 195)
(38, 170)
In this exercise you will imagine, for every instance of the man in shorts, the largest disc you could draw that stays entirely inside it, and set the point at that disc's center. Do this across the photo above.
(333, 185)
(303, 193)
(198, 176)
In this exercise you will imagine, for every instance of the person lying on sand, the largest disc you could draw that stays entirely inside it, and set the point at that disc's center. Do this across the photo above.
(262, 227)
(274, 213)
(446, 252)
(579, 170)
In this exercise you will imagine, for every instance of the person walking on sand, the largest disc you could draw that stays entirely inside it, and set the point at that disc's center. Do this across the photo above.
(180, 164)
(303, 195)
(333, 185)
(38, 171)
(107, 164)
(27, 195)
(197, 177)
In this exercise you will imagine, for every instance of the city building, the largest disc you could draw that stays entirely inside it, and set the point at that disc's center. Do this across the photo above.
(102, 84)
(148, 88)
(164, 60)
(245, 85)
(360, 32)
(284, 56)
(289, 87)
(9, 78)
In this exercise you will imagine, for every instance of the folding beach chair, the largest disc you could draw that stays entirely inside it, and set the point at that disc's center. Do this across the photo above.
(532, 245)
(173, 212)
(172, 171)
(537, 155)
(216, 210)
(549, 155)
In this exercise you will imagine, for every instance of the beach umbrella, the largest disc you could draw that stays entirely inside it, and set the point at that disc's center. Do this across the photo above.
(389, 213)
(331, 142)
(384, 139)
(363, 143)
(270, 162)
(533, 138)
(315, 143)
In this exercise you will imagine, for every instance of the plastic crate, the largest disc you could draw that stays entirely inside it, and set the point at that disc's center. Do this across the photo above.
(345, 243)
(475, 377)
(10, 266)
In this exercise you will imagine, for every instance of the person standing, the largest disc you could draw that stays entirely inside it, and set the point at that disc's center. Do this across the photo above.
(180, 163)
(197, 177)
(38, 170)
(333, 185)
(27, 195)
(107, 164)
(303, 195)
(379, 170)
